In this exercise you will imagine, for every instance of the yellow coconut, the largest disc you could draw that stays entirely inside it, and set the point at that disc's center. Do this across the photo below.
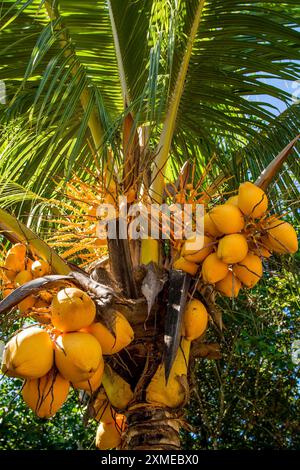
(227, 218)
(200, 255)
(92, 384)
(28, 264)
(8, 288)
(42, 317)
(172, 394)
(22, 277)
(187, 266)
(108, 436)
(77, 356)
(233, 200)
(210, 228)
(195, 320)
(261, 250)
(120, 421)
(229, 286)
(123, 335)
(282, 236)
(28, 354)
(26, 304)
(101, 408)
(252, 200)
(249, 270)
(46, 395)
(232, 248)
(192, 245)
(213, 269)
(72, 309)
(15, 261)
(18, 249)
(116, 388)
(40, 268)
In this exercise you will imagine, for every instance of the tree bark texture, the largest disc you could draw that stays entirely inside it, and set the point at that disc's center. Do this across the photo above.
(151, 428)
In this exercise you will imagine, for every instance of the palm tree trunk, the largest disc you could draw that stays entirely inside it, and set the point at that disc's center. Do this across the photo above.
(151, 428)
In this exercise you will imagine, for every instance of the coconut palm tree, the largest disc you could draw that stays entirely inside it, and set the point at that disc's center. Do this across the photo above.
(147, 99)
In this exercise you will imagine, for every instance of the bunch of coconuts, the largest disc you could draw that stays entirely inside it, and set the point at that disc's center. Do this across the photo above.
(18, 269)
(237, 236)
(66, 352)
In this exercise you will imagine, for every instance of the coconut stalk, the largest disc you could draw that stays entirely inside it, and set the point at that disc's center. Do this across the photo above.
(151, 428)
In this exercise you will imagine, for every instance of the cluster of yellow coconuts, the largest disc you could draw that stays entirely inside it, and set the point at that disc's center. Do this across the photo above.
(111, 424)
(237, 236)
(68, 351)
(18, 269)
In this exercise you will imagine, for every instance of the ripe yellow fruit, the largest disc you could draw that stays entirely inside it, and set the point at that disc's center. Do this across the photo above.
(46, 395)
(252, 200)
(22, 277)
(102, 408)
(227, 218)
(72, 309)
(233, 200)
(123, 335)
(26, 304)
(199, 255)
(92, 384)
(210, 228)
(195, 320)
(249, 270)
(28, 264)
(261, 250)
(192, 245)
(7, 289)
(120, 421)
(40, 268)
(282, 236)
(229, 286)
(77, 356)
(108, 436)
(187, 266)
(232, 248)
(173, 393)
(28, 354)
(19, 250)
(15, 260)
(116, 388)
(213, 269)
